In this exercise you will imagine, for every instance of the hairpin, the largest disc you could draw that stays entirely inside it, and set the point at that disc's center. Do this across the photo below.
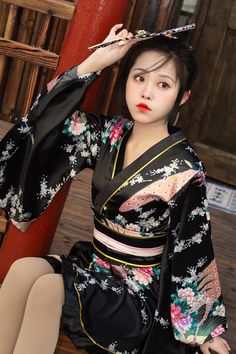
(143, 35)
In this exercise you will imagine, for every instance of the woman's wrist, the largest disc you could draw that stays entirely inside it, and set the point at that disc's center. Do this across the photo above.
(92, 64)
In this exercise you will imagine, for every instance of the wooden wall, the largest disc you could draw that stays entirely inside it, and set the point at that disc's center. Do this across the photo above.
(21, 81)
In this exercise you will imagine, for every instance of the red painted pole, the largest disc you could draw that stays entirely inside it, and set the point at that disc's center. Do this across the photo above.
(92, 21)
(90, 24)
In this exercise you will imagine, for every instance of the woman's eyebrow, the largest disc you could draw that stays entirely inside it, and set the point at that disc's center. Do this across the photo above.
(168, 77)
(140, 69)
(144, 71)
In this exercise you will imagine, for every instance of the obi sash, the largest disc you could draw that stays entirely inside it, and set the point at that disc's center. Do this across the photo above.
(129, 249)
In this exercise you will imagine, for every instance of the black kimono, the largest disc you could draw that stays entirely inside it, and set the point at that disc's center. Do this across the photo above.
(148, 281)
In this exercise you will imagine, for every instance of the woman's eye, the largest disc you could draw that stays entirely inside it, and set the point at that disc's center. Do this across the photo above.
(139, 78)
(163, 85)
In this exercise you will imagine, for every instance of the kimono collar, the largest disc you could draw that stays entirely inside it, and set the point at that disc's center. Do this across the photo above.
(121, 176)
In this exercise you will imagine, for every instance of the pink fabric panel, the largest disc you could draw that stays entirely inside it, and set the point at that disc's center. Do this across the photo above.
(124, 248)
(164, 189)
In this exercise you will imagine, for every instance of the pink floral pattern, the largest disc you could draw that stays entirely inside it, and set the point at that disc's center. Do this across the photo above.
(100, 265)
(218, 331)
(175, 314)
(76, 124)
(115, 131)
(187, 294)
(144, 276)
(180, 320)
(133, 227)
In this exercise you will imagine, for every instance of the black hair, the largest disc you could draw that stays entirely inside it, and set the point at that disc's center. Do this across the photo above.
(173, 49)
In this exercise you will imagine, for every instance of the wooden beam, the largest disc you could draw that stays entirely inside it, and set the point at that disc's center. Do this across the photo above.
(58, 8)
(28, 53)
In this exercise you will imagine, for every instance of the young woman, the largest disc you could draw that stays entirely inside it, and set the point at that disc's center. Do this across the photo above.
(148, 282)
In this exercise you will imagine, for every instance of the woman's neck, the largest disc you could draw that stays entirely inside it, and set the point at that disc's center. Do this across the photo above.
(148, 134)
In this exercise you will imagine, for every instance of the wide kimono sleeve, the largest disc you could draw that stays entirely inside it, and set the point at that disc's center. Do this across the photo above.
(49, 146)
(197, 309)
(190, 308)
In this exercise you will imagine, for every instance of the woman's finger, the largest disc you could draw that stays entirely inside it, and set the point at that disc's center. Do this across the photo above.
(226, 344)
(123, 34)
(130, 35)
(115, 28)
(205, 351)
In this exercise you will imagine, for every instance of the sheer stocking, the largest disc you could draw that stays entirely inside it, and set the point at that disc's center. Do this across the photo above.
(14, 300)
(41, 322)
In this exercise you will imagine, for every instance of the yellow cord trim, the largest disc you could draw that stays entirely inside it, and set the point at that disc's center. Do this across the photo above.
(162, 234)
(117, 154)
(128, 263)
(140, 169)
(82, 323)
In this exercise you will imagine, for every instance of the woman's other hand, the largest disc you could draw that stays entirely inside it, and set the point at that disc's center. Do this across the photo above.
(216, 345)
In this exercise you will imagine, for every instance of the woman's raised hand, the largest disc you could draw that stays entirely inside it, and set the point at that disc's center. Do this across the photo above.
(104, 57)
(217, 345)
(115, 52)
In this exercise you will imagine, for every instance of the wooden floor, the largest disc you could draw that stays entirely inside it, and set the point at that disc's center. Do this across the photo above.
(76, 223)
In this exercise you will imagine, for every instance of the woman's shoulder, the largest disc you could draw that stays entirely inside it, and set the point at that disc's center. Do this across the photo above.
(191, 156)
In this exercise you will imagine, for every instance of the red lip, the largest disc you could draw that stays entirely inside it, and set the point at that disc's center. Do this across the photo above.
(143, 107)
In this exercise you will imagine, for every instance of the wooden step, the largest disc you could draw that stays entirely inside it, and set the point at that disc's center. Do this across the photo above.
(64, 346)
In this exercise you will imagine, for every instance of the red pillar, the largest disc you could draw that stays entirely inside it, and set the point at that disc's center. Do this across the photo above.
(91, 23)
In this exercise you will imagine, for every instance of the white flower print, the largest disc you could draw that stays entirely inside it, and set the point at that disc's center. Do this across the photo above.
(172, 204)
(72, 173)
(179, 247)
(167, 171)
(144, 316)
(104, 284)
(189, 148)
(15, 199)
(68, 148)
(72, 159)
(7, 153)
(192, 271)
(2, 174)
(83, 144)
(197, 211)
(219, 311)
(152, 222)
(132, 227)
(113, 347)
(85, 153)
(186, 294)
(119, 219)
(163, 322)
(197, 238)
(136, 179)
(146, 214)
(132, 284)
(47, 191)
(94, 149)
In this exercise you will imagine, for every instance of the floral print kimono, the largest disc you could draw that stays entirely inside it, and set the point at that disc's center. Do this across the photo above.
(148, 281)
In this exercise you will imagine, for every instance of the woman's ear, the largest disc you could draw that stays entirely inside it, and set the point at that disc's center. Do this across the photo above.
(185, 97)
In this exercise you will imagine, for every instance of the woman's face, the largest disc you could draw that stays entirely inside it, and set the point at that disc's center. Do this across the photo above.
(150, 96)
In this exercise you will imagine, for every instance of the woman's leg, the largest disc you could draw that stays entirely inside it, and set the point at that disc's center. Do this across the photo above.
(13, 296)
(41, 322)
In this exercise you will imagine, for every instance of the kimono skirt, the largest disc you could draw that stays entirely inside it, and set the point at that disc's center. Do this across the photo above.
(111, 290)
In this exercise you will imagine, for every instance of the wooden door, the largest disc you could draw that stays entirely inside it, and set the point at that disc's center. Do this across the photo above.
(209, 120)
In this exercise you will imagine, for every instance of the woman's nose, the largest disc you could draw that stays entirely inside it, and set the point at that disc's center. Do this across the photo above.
(147, 92)
(146, 95)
